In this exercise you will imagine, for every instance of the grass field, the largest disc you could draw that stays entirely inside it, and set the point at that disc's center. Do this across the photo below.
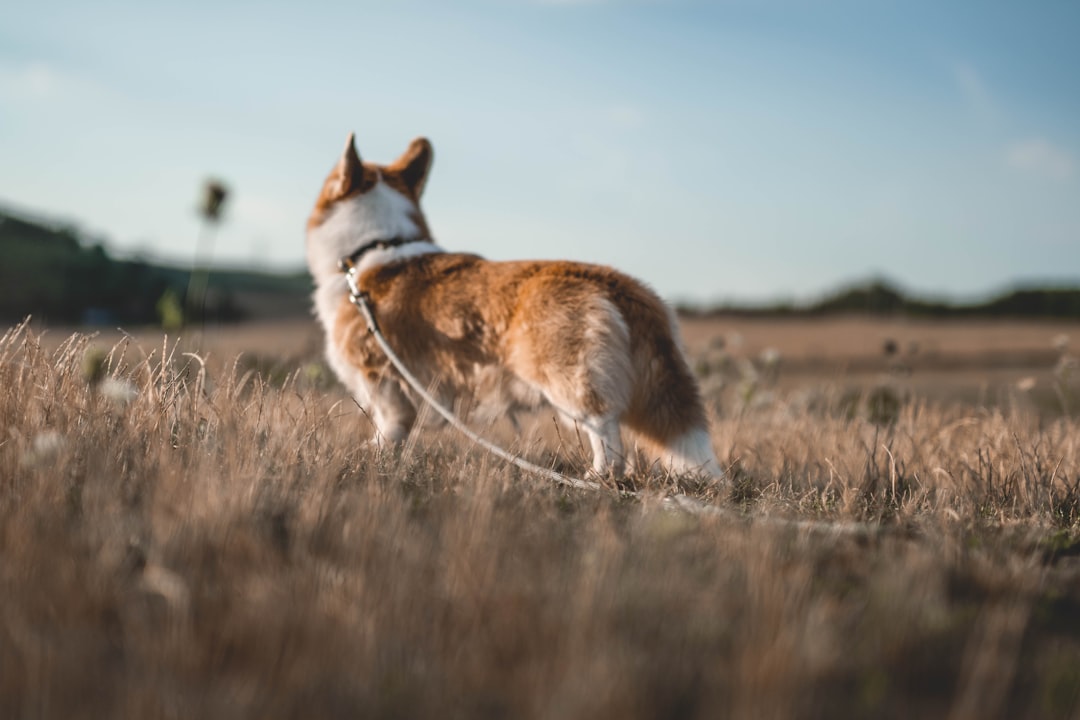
(185, 532)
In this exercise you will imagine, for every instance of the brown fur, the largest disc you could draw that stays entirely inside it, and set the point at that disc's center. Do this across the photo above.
(446, 314)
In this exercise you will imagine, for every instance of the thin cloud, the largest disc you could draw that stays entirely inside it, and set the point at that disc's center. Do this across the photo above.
(574, 3)
(1039, 156)
(36, 81)
(628, 117)
(42, 83)
(973, 89)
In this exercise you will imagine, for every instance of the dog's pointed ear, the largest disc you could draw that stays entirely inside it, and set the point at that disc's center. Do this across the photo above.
(349, 171)
(415, 164)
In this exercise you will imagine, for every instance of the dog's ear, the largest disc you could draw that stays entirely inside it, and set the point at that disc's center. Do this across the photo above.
(414, 164)
(349, 171)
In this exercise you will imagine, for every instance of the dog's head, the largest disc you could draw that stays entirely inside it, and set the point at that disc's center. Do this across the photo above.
(361, 202)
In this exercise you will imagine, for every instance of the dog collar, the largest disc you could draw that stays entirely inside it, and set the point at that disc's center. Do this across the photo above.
(379, 244)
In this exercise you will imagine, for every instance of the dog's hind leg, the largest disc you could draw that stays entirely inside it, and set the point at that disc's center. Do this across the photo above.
(607, 447)
(604, 437)
(571, 345)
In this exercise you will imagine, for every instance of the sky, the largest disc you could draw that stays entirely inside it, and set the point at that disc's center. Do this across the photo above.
(735, 150)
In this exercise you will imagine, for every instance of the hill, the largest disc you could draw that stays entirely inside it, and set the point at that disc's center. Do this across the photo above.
(881, 298)
(53, 272)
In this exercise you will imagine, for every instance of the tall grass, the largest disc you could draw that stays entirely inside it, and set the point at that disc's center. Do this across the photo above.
(217, 545)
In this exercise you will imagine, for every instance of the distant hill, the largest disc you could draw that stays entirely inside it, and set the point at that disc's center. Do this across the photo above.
(878, 297)
(50, 271)
(881, 298)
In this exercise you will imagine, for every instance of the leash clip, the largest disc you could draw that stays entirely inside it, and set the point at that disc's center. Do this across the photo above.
(358, 297)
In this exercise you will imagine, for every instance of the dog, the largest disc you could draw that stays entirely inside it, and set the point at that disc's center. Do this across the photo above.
(596, 345)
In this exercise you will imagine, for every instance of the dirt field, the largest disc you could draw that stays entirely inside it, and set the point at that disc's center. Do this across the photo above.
(970, 362)
(850, 338)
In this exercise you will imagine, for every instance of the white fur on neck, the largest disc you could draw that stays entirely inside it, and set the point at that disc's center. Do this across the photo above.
(329, 289)
(380, 213)
(382, 256)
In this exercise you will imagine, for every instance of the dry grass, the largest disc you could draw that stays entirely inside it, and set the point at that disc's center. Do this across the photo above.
(222, 544)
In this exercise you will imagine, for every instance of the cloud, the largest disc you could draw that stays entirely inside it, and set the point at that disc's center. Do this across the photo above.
(35, 80)
(262, 213)
(973, 89)
(41, 83)
(627, 117)
(1039, 156)
(574, 3)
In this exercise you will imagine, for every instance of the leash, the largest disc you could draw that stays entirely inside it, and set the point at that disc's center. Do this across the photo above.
(363, 302)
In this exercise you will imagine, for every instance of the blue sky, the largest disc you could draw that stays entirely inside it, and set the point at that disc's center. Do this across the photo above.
(739, 149)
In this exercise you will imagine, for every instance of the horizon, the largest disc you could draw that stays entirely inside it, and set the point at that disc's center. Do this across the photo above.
(842, 287)
(740, 152)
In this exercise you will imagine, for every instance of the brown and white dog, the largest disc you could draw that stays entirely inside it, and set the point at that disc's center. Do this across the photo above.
(596, 345)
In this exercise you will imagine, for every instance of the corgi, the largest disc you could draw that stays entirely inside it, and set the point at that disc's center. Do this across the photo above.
(596, 345)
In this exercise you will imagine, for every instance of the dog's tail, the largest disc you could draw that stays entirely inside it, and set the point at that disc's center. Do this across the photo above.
(666, 411)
